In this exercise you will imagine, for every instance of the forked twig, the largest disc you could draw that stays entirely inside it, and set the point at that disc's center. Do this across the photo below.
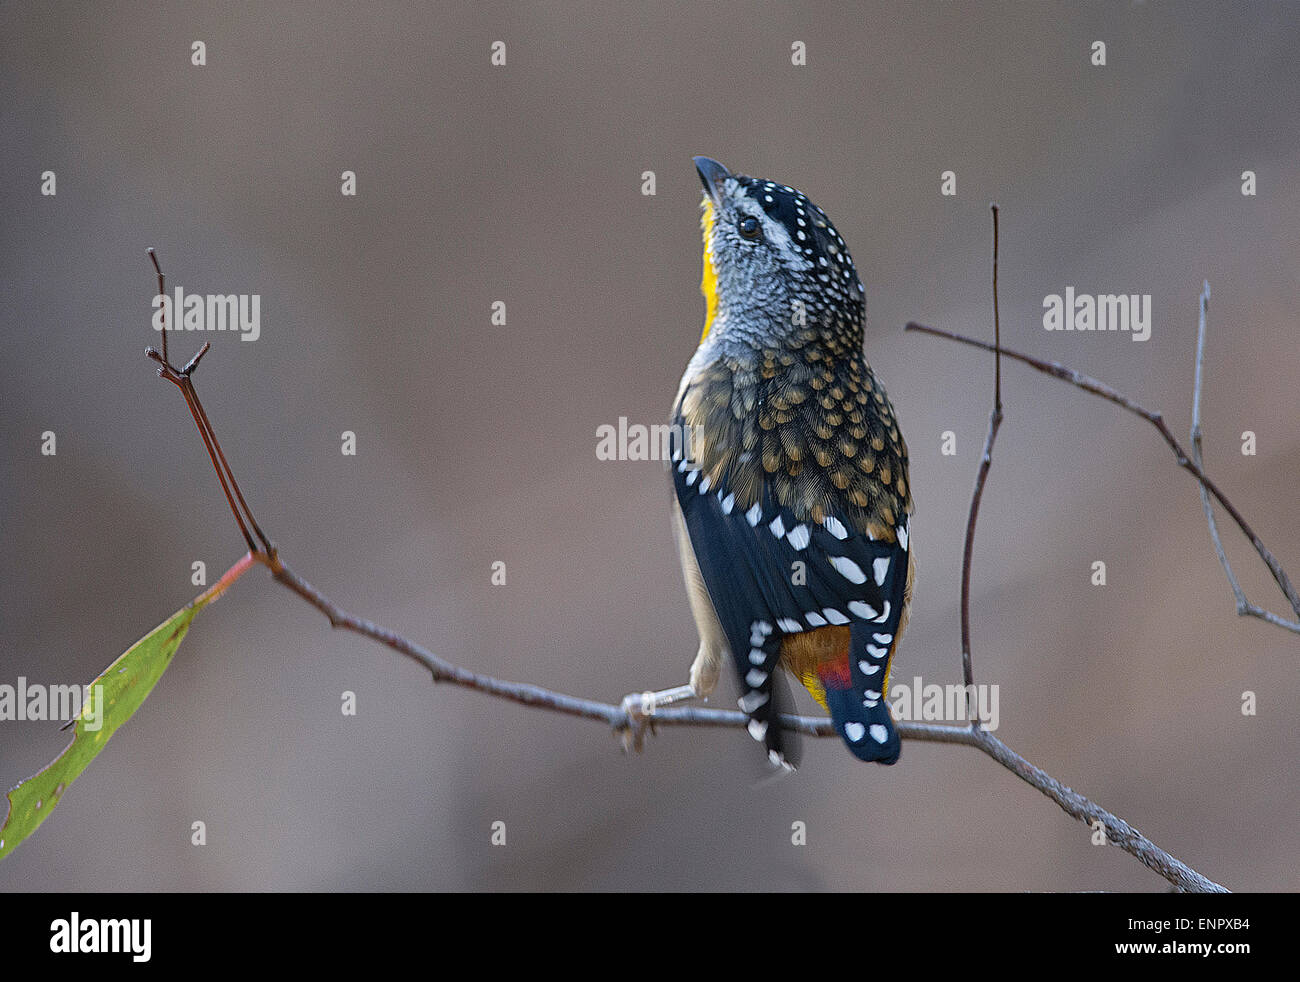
(1244, 606)
(1088, 384)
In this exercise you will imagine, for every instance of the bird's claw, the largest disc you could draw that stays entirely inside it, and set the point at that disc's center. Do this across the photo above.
(638, 711)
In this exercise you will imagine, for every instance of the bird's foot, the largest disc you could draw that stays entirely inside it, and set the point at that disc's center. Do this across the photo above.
(640, 707)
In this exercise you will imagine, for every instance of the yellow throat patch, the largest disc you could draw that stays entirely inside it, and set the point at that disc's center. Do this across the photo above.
(709, 282)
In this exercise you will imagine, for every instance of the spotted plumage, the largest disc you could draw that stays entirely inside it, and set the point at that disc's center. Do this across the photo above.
(794, 505)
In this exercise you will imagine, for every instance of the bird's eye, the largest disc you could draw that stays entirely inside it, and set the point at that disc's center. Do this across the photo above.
(749, 227)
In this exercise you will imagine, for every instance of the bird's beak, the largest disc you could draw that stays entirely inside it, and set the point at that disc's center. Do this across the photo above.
(712, 174)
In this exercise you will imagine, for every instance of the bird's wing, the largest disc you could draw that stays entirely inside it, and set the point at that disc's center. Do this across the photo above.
(771, 575)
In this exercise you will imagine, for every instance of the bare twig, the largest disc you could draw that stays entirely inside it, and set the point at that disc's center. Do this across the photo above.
(986, 460)
(1244, 606)
(162, 292)
(1089, 384)
(183, 379)
(997, 321)
(1118, 832)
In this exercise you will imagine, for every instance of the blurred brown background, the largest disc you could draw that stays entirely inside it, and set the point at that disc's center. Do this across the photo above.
(477, 443)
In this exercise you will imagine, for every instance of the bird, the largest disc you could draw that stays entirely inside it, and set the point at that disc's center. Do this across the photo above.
(792, 499)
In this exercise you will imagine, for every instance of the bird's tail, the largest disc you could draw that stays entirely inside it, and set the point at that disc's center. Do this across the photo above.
(865, 724)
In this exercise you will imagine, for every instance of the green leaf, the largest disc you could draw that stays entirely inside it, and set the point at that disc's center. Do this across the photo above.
(114, 698)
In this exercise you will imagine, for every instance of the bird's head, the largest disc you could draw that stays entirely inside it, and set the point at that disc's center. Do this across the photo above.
(774, 266)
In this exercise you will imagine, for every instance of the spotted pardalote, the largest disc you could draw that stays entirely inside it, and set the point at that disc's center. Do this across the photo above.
(792, 496)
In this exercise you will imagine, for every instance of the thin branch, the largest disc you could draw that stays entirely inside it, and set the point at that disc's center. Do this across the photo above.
(162, 292)
(1244, 606)
(986, 461)
(183, 379)
(1089, 384)
(1118, 832)
(997, 321)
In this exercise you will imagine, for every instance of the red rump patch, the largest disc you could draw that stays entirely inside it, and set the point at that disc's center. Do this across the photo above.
(834, 675)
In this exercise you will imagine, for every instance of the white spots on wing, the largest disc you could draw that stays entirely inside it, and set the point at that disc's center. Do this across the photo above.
(880, 569)
(756, 677)
(753, 515)
(757, 656)
(757, 729)
(882, 638)
(879, 733)
(835, 527)
(854, 731)
(868, 668)
(875, 652)
(861, 609)
(690, 478)
(883, 617)
(789, 625)
(681, 468)
(751, 701)
(902, 537)
(847, 568)
(704, 484)
(800, 537)
(777, 527)
(815, 619)
(834, 616)
(728, 503)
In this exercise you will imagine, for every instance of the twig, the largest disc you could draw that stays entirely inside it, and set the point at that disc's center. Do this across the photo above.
(183, 379)
(986, 461)
(1089, 384)
(1118, 832)
(532, 695)
(997, 321)
(162, 292)
(1244, 606)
